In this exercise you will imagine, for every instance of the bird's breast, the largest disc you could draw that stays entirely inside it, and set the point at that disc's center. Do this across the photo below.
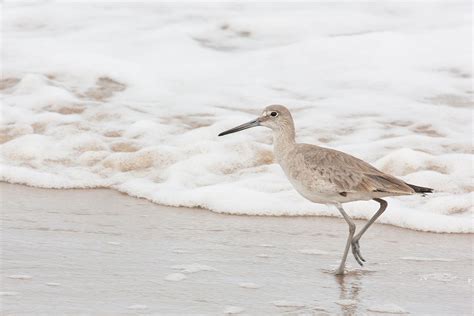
(306, 182)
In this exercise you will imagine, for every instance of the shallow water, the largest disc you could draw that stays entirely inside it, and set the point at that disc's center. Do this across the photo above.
(100, 252)
(135, 104)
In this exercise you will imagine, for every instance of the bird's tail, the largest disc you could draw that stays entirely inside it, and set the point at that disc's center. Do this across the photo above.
(420, 189)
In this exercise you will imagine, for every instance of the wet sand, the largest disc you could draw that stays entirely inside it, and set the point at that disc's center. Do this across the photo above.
(99, 252)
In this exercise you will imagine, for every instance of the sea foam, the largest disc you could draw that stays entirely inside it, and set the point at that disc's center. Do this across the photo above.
(133, 99)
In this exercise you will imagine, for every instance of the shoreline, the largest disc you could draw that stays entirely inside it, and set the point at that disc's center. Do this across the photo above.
(98, 251)
(336, 216)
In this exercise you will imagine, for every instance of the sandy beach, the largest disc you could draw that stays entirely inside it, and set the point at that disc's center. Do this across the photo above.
(99, 252)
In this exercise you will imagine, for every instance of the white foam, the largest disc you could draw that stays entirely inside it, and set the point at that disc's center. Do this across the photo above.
(438, 276)
(193, 268)
(313, 252)
(427, 259)
(140, 113)
(175, 277)
(53, 284)
(285, 303)
(249, 285)
(20, 276)
(389, 308)
(180, 251)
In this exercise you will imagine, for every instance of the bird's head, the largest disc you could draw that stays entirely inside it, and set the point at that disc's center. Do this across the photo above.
(276, 117)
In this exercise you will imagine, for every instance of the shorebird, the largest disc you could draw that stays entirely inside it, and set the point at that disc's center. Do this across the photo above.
(327, 176)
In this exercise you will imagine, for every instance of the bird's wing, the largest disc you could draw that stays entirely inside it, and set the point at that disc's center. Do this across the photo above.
(349, 174)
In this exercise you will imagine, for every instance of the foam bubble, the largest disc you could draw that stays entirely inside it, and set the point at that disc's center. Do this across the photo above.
(20, 276)
(53, 284)
(427, 259)
(313, 252)
(285, 303)
(438, 276)
(193, 268)
(387, 308)
(175, 277)
(249, 285)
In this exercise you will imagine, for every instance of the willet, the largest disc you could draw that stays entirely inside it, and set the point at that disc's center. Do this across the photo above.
(328, 176)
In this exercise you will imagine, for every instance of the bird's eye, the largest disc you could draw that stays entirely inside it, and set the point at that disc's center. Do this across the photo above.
(274, 114)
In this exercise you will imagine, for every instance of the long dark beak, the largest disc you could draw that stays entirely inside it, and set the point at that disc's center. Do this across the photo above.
(239, 128)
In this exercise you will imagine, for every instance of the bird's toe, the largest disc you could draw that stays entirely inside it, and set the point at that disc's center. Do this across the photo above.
(356, 253)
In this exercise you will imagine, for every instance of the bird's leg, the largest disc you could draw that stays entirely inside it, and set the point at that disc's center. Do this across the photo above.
(352, 229)
(355, 240)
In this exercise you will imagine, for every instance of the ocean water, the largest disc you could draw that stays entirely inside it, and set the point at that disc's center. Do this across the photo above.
(132, 97)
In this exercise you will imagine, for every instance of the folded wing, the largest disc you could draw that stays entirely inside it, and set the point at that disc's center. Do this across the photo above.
(349, 174)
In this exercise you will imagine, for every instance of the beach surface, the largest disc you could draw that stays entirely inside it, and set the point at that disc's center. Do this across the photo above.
(100, 252)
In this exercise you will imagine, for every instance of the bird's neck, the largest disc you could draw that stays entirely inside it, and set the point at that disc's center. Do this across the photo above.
(283, 141)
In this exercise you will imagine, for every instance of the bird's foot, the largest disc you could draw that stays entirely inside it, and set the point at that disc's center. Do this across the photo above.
(356, 252)
(340, 271)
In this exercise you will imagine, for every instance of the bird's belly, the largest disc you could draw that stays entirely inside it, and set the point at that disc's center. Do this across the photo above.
(323, 193)
(317, 192)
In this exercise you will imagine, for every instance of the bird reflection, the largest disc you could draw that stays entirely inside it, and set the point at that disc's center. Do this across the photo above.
(349, 292)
